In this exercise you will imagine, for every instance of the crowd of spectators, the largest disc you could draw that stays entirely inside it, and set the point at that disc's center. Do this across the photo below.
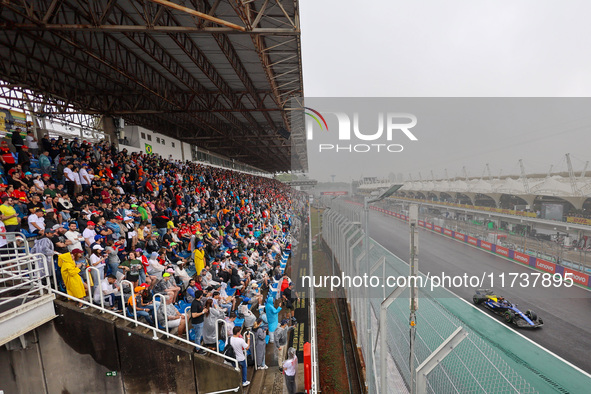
(196, 235)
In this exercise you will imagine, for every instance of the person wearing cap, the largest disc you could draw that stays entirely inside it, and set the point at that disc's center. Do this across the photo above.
(281, 335)
(173, 316)
(59, 240)
(97, 260)
(142, 309)
(70, 271)
(131, 233)
(37, 222)
(167, 285)
(110, 291)
(89, 233)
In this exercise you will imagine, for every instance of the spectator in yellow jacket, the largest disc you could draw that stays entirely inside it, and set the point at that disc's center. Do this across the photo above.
(199, 257)
(71, 274)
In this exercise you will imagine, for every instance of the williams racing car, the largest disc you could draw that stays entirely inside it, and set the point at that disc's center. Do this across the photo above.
(509, 311)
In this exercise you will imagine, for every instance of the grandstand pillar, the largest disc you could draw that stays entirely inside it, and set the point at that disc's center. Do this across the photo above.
(110, 129)
(529, 198)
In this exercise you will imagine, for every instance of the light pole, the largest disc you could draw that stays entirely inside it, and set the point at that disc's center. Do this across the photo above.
(366, 202)
(413, 214)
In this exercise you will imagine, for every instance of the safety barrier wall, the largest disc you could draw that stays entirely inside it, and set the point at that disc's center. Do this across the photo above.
(523, 258)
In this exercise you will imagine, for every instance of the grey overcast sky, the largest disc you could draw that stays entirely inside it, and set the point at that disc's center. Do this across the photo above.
(456, 48)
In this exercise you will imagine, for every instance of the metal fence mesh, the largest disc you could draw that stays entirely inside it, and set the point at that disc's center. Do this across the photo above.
(472, 367)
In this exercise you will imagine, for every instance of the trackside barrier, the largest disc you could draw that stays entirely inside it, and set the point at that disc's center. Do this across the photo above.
(474, 365)
(234, 390)
(17, 245)
(578, 277)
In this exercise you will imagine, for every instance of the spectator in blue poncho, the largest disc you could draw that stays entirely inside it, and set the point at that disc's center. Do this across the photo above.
(272, 317)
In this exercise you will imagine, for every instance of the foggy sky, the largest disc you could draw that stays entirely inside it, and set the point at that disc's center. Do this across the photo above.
(457, 48)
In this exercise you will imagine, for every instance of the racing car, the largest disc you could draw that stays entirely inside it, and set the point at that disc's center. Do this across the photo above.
(509, 311)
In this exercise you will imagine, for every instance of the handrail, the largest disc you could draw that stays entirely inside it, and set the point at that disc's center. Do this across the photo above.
(159, 331)
(11, 238)
(25, 272)
(217, 335)
(123, 306)
(161, 298)
(253, 347)
(187, 322)
(90, 294)
(225, 391)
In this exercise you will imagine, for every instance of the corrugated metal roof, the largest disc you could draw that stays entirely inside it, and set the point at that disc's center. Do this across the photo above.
(219, 86)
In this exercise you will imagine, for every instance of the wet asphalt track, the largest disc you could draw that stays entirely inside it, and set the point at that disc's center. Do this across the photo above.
(566, 312)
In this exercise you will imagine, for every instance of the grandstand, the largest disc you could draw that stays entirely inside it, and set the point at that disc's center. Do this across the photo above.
(133, 257)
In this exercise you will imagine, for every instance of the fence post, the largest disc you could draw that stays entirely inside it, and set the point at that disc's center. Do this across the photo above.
(383, 327)
(437, 356)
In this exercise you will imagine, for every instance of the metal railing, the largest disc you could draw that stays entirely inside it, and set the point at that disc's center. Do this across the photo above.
(17, 245)
(22, 278)
(313, 337)
(253, 347)
(162, 304)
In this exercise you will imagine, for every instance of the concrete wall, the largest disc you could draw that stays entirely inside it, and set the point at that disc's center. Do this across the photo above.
(74, 352)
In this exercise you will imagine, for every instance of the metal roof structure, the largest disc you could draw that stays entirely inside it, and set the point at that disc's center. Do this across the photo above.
(215, 73)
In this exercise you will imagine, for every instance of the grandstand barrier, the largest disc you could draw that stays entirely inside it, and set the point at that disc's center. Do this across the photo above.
(492, 358)
(578, 277)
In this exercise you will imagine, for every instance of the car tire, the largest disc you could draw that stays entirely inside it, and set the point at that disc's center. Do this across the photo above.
(509, 316)
(532, 315)
(477, 299)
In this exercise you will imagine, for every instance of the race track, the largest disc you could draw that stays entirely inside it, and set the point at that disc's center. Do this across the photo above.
(566, 311)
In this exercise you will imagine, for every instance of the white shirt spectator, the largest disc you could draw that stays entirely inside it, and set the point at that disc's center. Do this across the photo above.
(239, 346)
(76, 176)
(106, 289)
(31, 142)
(74, 236)
(40, 221)
(69, 174)
(88, 235)
(85, 179)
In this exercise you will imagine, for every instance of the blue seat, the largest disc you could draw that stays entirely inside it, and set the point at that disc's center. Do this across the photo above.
(238, 322)
(230, 291)
(192, 335)
(182, 305)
